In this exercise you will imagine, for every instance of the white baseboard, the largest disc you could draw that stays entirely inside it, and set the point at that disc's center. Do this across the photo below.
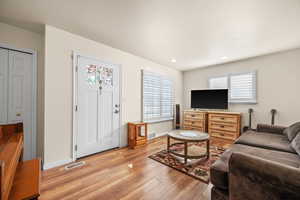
(56, 163)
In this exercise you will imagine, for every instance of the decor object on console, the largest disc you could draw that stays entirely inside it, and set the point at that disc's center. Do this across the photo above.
(260, 165)
(137, 134)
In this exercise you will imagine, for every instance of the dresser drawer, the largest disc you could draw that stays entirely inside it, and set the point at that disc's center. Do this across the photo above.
(223, 118)
(194, 116)
(198, 123)
(223, 126)
(193, 128)
(223, 134)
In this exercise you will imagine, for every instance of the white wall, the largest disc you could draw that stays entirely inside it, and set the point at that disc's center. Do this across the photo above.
(278, 85)
(59, 45)
(20, 38)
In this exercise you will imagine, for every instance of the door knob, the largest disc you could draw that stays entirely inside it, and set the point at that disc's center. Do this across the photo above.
(116, 111)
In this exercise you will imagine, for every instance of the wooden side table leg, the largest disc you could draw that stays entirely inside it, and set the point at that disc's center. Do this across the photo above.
(208, 148)
(185, 152)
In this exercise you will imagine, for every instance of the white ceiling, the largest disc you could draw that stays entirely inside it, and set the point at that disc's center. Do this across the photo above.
(196, 33)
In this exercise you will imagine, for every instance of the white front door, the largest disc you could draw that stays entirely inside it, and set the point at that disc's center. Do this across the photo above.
(16, 94)
(98, 111)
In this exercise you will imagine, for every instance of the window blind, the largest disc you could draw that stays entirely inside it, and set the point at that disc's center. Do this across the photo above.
(157, 97)
(242, 87)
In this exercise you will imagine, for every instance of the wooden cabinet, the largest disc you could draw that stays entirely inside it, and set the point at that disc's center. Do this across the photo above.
(19, 179)
(137, 134)
(224, 126)
(195, 120)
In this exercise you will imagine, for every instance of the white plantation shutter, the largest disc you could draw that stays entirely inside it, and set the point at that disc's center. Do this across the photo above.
(157, 97)
(242, 87)
(166, 98)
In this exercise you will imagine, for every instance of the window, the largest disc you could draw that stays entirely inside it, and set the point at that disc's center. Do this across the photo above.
(242, 87)
(157, 97)
(218, 82)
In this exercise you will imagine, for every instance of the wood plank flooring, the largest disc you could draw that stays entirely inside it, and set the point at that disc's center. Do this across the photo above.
(108, 176)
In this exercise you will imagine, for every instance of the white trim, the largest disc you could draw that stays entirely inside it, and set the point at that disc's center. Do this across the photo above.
(34, 106)
(56, 163)
(8, 46)
(75, 88)
(120, 103)
(74, 115)
(159, 120)
(34, 90)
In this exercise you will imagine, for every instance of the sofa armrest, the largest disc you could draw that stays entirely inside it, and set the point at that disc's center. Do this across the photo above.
(270, 128)
(254, 178)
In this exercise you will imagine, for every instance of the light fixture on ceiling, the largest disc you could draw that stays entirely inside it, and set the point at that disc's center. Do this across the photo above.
(173, 60)
(224, 57)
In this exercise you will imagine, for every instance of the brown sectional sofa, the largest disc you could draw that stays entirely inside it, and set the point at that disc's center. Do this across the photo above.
(260, 165)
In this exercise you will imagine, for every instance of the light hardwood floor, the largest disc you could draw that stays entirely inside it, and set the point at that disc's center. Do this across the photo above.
(108, 176)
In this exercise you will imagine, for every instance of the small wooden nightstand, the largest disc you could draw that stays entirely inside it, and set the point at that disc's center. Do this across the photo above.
(137, 134)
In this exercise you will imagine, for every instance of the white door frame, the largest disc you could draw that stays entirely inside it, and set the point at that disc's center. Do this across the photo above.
(34, 90)
(75, 100)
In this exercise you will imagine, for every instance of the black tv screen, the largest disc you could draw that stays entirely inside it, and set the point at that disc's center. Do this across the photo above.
(209, 99)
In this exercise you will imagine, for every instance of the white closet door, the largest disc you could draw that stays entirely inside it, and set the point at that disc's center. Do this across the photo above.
(3, 85)
(20, 96)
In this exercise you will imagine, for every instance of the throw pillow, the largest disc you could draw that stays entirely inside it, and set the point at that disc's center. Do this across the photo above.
(296, 144)
(292, 131)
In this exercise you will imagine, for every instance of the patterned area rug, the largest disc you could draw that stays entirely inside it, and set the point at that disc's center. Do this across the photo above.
(197, 168)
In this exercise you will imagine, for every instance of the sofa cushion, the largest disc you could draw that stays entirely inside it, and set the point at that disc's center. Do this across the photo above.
(219, 170)
(292, 131)
(296, 144)
(266, 140)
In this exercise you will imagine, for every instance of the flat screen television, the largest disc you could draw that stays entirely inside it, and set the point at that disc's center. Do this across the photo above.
(209, 99)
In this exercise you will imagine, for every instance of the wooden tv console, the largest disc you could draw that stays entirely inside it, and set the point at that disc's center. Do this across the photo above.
(220, 125)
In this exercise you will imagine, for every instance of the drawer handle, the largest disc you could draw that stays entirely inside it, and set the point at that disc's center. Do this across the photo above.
(222, 118)
(222, 134)
(193, 115)
(222, 126)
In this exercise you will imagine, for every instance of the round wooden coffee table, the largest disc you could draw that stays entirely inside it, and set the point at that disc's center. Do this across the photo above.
(185, 137)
